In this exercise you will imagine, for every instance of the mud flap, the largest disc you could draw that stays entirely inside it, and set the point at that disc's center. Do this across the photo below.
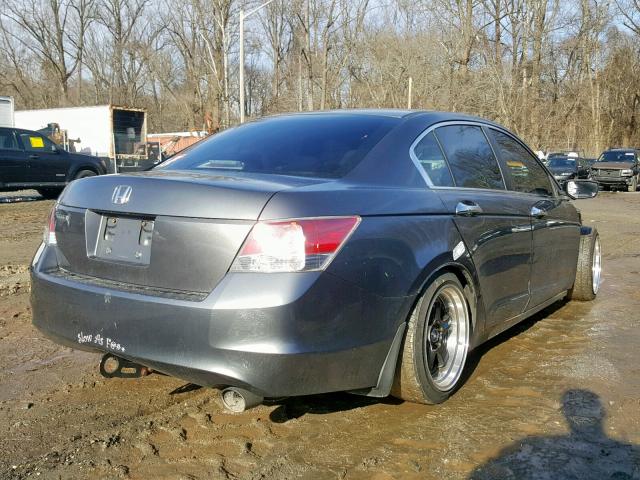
(388, 371)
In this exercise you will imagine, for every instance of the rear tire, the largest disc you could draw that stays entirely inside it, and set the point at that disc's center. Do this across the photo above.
(436, 344)
(589, 271)
(85, 174)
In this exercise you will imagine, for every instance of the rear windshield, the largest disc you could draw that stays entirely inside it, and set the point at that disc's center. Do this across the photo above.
(617, 156)
(325, 146)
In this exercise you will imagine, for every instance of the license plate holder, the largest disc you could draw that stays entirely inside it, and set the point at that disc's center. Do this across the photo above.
(125, 239)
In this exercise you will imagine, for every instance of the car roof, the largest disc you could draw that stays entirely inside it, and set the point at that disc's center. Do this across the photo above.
(430, 115)
(16, 129)
(378, 112)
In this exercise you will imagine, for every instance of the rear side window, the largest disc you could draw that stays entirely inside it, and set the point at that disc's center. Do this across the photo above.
(470, 157)
(430, 156)
(35, 143)
(8, 140)
(524, 172)
(326, 145)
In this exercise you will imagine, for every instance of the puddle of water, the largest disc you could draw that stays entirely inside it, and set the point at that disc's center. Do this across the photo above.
(20, 198)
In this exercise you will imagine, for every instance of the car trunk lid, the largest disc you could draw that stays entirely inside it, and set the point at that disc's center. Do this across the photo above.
(180, 194)
(166, 232)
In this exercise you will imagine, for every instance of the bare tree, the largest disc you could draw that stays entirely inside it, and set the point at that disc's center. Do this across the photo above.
(560, 73)
(43, 29)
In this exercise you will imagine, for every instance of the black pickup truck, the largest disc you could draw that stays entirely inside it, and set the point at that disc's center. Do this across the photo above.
(29, 159)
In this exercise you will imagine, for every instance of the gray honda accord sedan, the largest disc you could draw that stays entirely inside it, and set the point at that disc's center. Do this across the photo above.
(366, 251)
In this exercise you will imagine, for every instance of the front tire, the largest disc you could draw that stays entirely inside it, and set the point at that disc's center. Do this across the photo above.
(84, 174)
(634, 185)
(436, 344)
(589, 271)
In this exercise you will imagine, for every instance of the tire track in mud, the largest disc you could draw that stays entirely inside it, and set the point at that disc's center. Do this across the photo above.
(14, 279)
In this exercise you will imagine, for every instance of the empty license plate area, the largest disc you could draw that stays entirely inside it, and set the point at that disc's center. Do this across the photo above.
(124, 239)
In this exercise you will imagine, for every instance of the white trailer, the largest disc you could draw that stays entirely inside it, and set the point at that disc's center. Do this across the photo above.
(6, 111)
(117, 133)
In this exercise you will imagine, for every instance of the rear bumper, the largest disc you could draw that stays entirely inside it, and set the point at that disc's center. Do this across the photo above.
(274, 334)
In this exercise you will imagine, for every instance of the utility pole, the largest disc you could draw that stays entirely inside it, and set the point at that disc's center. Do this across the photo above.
(243, 16)
(410, 93)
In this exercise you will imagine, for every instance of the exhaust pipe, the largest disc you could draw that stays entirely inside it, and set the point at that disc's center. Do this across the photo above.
(237, 400)
(112, 366)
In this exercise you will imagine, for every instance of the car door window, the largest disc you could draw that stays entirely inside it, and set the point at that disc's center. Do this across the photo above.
(470, 157)
(430, 157)
(33, 142)
(524, 172)
(8, 140)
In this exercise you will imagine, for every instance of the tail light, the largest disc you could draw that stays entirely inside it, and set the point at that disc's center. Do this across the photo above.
(297, 245)
(50, 228)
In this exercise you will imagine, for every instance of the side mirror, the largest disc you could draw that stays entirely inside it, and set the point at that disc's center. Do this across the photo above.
(56, 149)
(577, 189)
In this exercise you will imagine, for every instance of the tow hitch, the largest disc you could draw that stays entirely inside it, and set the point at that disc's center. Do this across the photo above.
(112, 366)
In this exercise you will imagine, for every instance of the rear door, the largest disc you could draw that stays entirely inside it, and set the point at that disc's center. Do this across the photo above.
(48, 164)
(555, 222)
(14, 166)
(493, 222)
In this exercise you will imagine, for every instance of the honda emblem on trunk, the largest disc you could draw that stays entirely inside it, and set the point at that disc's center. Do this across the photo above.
(121, 194)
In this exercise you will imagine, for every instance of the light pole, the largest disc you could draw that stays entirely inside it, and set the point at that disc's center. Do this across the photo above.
(242, 17)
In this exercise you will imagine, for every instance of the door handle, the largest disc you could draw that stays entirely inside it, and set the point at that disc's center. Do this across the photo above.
(537, 212)
(34, 156)
(467, 208)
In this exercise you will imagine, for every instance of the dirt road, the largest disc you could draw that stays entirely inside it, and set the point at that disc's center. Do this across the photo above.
(556, 397)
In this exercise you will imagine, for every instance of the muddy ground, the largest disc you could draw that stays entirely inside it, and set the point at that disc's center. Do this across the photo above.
(556, 397)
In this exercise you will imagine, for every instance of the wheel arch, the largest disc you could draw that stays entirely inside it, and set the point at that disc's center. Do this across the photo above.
(465, 272)
(470, 285)
(75, 169)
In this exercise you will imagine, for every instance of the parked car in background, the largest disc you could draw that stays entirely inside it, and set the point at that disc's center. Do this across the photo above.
(367, 251)
(29, 159)
(617, 169)
(566, 168)
(549, 155)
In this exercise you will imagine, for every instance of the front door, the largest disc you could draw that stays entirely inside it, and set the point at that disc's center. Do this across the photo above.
(48, 164)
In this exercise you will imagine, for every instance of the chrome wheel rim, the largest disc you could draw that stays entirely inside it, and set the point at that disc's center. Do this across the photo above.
(596, 267)
(447, 337)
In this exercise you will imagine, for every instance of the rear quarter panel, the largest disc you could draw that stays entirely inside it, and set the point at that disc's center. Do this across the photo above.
(396, 257)
(405, 237)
